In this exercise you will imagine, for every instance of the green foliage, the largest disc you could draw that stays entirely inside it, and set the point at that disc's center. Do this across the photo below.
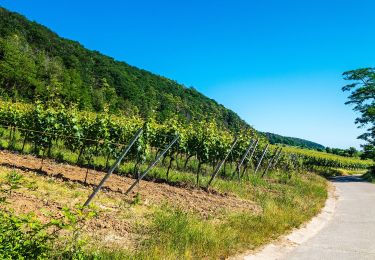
(368, 151)
(74, 220)
(287, 201)
(350, 152)
(92, 136)
(362, 96)
(24, 237)
(369, 176)
(292, 141)
(12, 182)
(35, 63)
(315, 158)
(137, 199)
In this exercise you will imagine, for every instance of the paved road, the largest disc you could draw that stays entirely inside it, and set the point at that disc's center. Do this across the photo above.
(350, 234)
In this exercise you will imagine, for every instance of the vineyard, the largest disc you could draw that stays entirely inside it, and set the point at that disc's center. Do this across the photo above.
(100, 159)
(96, 140)
(316, 158)
(255, 185)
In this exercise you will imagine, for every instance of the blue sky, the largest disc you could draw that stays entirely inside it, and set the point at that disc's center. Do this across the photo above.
(278, 64)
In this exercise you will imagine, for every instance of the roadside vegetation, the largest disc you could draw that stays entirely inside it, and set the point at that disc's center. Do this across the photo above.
(369, 176)
(283, 201)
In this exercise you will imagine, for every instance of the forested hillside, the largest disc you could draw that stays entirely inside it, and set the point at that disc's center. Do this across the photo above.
(35, 63)
(279, 139)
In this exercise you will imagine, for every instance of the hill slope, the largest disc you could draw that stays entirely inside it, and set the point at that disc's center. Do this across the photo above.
(37, 63)
(292, 141)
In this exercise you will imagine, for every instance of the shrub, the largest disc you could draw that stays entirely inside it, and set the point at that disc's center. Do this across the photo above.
(23, 237)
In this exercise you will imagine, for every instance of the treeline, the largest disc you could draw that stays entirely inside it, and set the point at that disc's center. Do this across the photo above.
(350, 152)
(302, 143)
(292, 141)
(37, 64)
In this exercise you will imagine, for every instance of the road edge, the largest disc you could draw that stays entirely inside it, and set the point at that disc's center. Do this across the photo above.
(287, 243)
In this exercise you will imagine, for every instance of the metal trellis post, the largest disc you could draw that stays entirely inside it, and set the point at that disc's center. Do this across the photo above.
(277, 158)
(238, 167)
(261, 159)
(218, 167)
(251, 155)
(151, 165)
(117, 163)
(271, 161)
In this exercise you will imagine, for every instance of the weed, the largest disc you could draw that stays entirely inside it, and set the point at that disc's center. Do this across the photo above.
(137, 199)
(12, 182)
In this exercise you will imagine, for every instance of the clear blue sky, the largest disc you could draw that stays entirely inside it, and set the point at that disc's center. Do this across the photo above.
(276, 63)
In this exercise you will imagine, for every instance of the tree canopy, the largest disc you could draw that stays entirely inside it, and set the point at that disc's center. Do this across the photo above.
(293, 141)
(37, 64)
(362, 97)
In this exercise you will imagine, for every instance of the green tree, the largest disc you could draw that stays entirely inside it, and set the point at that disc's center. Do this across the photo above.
(17, 67)
(104, 95)
(362, 96)
(51, 73)
(37, 64)
(352, 152)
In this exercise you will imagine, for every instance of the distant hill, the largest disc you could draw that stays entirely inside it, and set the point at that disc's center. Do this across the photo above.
(292, 141)
(35, 63)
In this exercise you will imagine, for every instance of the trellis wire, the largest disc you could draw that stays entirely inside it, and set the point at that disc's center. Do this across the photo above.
(218, 167)
(277, 158)
(251, 156)
(238, 167)
(117, 163)
(61, 135)
(270, 162)
(152, 165)
(261, 159)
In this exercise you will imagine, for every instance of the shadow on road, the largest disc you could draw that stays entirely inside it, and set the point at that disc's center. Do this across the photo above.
(352, 178)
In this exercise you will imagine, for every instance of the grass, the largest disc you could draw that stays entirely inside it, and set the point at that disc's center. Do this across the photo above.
(286, 203)
(286, 200)
(177, 176)
(331, 171)
(327, 159)
(167, 232)
(369, 176)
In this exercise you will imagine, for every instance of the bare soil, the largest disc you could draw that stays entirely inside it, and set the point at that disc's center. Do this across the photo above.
(192, 199)
(111, 227)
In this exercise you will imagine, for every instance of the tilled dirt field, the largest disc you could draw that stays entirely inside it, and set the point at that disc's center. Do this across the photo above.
(116, 222)
(196, 200)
